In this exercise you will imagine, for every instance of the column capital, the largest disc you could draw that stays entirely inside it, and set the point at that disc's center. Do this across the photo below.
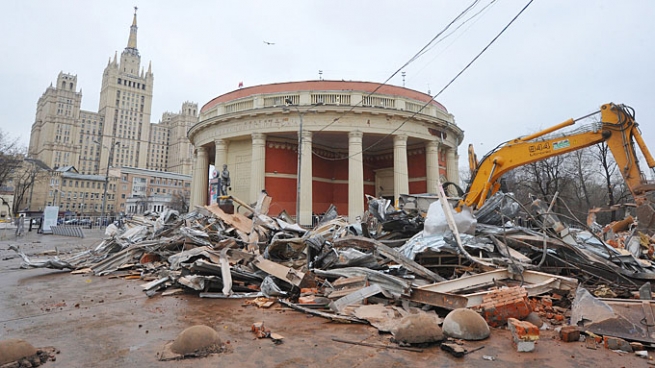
(258, 138)
(307, 135)
(432, 145)
(220, 143)
(201, 149)
(355, 134)
(400, 138)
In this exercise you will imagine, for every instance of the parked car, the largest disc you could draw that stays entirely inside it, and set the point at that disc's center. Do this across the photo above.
(102, 221)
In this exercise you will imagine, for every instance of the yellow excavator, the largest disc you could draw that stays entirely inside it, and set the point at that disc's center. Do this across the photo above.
(617, 128)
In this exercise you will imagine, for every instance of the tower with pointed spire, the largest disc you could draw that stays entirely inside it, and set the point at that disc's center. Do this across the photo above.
(125, 102)
(119, 135)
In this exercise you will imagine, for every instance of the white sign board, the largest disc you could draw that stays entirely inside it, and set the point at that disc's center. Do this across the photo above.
(49, 218)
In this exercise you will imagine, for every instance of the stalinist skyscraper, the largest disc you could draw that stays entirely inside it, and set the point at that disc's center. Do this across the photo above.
(65, 135)
(125, 103)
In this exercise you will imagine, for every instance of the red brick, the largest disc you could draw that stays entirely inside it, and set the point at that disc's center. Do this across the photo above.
(501, 304)
(523, 330)
(569, 333)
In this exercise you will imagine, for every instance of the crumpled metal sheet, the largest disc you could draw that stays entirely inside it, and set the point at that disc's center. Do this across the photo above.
(497, 210)
(348, 257)
(440, 243)
(54, 262)
(184, 256)
(393, 284)
(135, 234)
(198, 282)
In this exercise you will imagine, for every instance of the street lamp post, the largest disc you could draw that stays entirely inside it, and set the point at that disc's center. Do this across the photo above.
(104, 195)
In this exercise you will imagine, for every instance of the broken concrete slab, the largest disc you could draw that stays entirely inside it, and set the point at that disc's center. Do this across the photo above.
(382, 317)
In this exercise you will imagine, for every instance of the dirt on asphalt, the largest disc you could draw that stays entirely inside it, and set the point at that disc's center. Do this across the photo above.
(110, 322)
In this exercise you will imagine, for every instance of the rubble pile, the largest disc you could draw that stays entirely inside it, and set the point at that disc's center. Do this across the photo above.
(511, 266)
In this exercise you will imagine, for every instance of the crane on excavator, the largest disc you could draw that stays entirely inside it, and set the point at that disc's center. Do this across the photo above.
(617, 128)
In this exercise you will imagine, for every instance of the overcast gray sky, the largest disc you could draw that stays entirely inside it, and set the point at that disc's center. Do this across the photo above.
(560, 59)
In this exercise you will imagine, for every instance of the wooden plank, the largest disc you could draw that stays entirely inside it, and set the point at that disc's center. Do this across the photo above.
(290, 275)
(237, 220)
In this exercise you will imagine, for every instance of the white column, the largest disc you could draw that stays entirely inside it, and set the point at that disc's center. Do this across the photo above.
(220, 157)
(400, 175)
(452, 171)
(432, 165)
(355, 175)
(203, 175)
(194, 179)
(305, 215)
(257, 166)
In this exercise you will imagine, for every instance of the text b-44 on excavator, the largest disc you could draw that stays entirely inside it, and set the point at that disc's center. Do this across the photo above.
(617, 128)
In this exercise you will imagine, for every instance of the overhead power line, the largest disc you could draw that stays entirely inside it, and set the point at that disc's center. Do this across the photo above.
(449, 83)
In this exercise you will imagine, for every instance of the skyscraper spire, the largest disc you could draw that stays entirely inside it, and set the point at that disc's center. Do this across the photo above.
(131, 42)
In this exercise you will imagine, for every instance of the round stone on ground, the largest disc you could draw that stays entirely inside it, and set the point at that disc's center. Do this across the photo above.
(534, 319)
(15, 349)
(418, 328)
(196, 339)
(465, 324)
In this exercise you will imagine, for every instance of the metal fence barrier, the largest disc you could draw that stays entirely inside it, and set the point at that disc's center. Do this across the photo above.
(67, 230)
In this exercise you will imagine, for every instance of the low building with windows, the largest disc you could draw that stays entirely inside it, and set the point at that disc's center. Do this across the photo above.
(143, 190)
(315, 143)
(79, 194)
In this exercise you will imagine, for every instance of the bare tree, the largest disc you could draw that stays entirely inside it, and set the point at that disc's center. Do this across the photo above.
(24, 178)
(179, 202)
(542, 178)
(609, 173)
(11, 156)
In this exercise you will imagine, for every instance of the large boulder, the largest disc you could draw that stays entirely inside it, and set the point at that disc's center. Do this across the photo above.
(465, 324)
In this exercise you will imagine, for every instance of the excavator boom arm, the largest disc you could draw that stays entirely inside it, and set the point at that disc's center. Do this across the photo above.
(617, 129)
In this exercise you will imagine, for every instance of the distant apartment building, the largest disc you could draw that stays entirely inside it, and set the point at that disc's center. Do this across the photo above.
(119, 134)
(142, 190)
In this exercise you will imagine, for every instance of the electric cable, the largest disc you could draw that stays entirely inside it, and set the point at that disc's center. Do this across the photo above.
(444, 88)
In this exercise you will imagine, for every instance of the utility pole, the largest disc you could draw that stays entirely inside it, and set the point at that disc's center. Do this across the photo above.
(104, 195)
